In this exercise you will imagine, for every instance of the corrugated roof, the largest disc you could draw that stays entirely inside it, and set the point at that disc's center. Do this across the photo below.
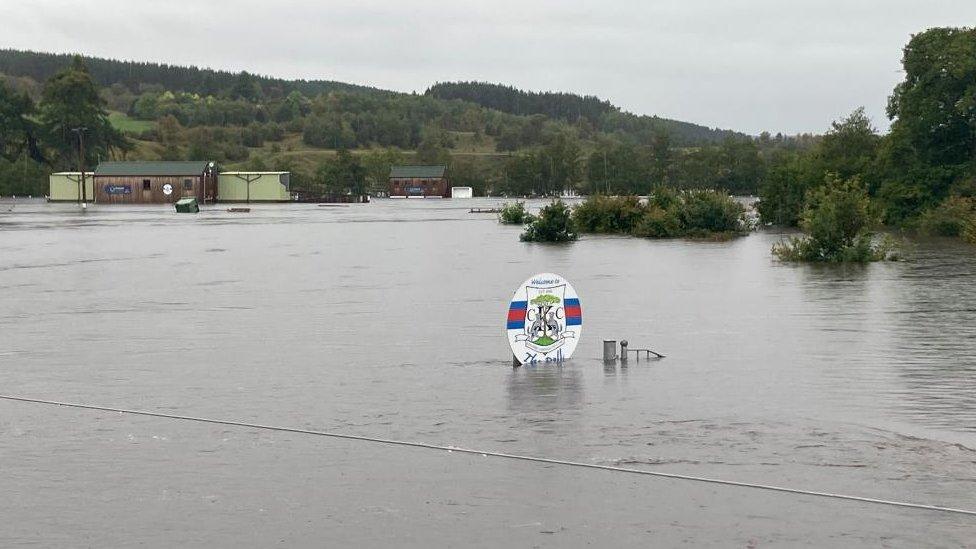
(161, 168)
(252, 173)
(417, 171)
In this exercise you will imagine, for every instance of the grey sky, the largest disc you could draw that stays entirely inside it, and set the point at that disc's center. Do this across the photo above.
(749, 65)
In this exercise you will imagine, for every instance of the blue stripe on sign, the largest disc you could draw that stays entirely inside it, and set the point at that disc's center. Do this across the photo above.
(570, 301)
(516, 325)
(574, 321)
(519, 305)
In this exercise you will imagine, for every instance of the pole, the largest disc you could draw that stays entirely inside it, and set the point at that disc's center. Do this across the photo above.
(81, 163)
(606, 177)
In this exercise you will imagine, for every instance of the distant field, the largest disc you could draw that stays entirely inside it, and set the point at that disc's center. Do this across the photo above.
(121, 121)
(304, 157)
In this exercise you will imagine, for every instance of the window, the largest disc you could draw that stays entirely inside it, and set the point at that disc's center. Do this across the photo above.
(146, 185)
(187, 184)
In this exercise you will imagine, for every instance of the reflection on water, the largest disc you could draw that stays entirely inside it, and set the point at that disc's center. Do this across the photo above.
(534, 388)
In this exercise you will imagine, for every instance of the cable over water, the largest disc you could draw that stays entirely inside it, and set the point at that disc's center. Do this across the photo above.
(487, 453)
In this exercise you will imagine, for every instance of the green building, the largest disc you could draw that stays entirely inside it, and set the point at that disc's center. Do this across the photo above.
(66, 187)
(253, 187)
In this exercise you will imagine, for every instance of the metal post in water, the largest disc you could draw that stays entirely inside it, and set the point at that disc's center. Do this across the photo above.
(609, 350)
(623, 350)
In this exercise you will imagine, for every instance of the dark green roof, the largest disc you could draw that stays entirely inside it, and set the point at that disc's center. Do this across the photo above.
(162, 168)
(417, 171)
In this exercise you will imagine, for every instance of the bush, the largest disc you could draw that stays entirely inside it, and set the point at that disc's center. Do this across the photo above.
(554, 224)
(667, 214)
(657, 222)
(608, 214)
(837, 218)
(514, 214)
(706, 212)
(665, 198)
(950, 218)
(24, 177)
(969, 232)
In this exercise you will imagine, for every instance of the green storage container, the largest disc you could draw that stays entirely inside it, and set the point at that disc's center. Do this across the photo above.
(187, 205)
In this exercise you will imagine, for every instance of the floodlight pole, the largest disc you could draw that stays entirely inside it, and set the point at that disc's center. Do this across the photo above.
(81, 163)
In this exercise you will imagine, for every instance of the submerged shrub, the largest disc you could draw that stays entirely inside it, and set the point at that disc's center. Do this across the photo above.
(554, 224)
(514, 214)
(668, 213)
(704, 212)
(657, 222)
(665, 198)
(950, 218)
(608, 214)
(838, 218)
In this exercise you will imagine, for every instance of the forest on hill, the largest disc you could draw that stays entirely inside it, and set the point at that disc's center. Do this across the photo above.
(497, 139)
(571, 107)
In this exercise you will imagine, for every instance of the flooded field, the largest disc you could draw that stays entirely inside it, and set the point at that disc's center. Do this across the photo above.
(388, 320)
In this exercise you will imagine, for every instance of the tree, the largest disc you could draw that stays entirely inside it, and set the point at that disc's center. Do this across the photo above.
(342, 175)
(293, 107)
(523, 175)
(935, 106)
(246, 87)
(561, 165)
(70, 100)
(783, 190)
(618, 168)
(169, 130)
(16, 129)
(376, 165)
(329, 131)
(554, 224)
(434, 145)
(471, 172)
(849, 148)
(838, 218)
(931, 147)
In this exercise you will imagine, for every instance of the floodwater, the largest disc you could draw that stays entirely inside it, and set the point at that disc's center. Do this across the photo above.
(388, 320)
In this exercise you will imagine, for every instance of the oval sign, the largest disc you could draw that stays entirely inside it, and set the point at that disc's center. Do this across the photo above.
(545, 320)
(167, 189)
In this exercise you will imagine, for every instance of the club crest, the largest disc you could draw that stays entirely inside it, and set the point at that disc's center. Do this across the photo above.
(544, 320)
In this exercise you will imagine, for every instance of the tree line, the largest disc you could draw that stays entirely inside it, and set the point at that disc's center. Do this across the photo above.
(44, 136)
(600, 115)
(922, 174)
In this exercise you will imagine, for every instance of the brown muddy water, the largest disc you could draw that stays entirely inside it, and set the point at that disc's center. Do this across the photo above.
(388, 319)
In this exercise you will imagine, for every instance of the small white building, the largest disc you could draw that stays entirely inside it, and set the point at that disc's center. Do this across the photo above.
(462, 192)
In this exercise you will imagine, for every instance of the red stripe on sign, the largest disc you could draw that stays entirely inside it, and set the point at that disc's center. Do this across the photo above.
(574, 311)
(516, 314)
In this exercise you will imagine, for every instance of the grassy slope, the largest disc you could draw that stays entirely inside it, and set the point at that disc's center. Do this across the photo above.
(292, 147)
(121, 121)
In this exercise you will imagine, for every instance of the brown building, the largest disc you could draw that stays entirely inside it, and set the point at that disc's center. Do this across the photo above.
(154, 182)
(419, 182)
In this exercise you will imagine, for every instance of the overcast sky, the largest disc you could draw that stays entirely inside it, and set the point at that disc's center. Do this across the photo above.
(749, 65)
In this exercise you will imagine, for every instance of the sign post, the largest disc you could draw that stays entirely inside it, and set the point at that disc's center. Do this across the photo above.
(545, 320)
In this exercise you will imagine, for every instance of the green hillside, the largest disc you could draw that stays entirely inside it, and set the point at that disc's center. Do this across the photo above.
(493, 138)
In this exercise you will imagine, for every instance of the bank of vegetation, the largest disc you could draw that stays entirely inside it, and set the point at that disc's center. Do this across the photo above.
(666, 213)
(339, 138)
(920, 176)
